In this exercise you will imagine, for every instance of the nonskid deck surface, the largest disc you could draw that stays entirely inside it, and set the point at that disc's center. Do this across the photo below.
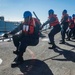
(39, 60)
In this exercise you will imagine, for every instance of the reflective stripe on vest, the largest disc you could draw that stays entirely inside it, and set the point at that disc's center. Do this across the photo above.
(25, 28)
(29, 28)
(54, 22)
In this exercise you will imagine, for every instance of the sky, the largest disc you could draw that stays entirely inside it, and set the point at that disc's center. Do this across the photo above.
(13, 10)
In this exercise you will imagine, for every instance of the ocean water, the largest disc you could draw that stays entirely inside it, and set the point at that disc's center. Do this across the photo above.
(1, 33)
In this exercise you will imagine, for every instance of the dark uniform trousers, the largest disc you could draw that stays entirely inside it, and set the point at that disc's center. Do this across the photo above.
(63, 30)
(70, 33)
(74, 32)
(53, 32)
(22, 41)
(16, 40)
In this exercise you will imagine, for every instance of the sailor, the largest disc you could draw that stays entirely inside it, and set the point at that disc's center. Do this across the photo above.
(64, 25)
(29, 35)
(53, 22)
(73, 18)
(70, 28)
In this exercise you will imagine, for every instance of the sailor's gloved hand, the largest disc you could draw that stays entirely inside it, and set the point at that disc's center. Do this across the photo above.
(5, 35)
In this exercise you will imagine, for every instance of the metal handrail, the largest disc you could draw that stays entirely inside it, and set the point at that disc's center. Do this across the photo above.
(3, 38)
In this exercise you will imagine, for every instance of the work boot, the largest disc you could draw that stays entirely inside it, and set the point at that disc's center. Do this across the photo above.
(16, 52)
(68, 39)
(73, 37)
(49, 43)
(53, 47)
(62, 42)
(17, 61)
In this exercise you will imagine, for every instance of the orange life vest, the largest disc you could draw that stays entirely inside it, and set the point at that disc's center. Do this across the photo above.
(71, 24)
(54, 23)
(28, 28)
(74, 20)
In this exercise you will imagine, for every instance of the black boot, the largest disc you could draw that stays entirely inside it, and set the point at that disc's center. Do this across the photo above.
(49, 43)
(54, 46)
(73, 37)
(17, 61)
(16, 52)
(62, 42)
(68, 39)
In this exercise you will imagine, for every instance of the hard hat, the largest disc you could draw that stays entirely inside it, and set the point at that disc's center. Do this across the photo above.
(27, 14)
(73, 15)
(51, 11)
(65, 11)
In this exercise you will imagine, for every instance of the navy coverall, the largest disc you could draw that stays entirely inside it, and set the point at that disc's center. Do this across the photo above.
(64, 27)
(54, 30)
(21, 41)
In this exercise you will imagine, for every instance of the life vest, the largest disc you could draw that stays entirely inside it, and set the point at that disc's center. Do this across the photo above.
(54, 23)
(65, 15)
(71, 23)
(73, 20)
(28, 28)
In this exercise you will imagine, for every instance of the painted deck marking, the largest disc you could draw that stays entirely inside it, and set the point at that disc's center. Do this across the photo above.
(1, 61)
(45, 39)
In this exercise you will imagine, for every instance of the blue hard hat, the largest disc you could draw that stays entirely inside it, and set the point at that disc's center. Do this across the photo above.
(73, 15)
(51, 11)
(27, 14)
(65, 11)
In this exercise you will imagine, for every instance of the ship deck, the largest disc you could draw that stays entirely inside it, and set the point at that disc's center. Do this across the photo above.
(39, 60)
